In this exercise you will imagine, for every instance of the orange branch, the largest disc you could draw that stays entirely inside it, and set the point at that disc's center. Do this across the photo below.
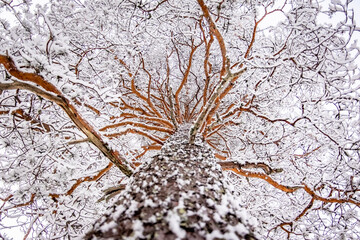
(308, 153)
(10, 66)
(206, 63)
(230, 86)
(30, 227)
(256, 25)
(22, 115)
(69, 192)
(81, 180)
(145, 99)
(217, 102)
(87, 105)
(226, 144)
(193, 113)
(215, 31)
(183, 82)
(67, 106)
(252, 40)
(5, 200)
(135, 91)
(290, 189)
(242, 109)
(232, 164)
(128, 107)
(147, 148)
(207, 76)
(305, 210)
(264, 177)
(137, 124)
(228, 109)
(148, 100)
(216, 148)
(4, 112)
(281, 225)
(124, 64)
(214, 129)
(32, 198)
(329, 200)
(220, 157)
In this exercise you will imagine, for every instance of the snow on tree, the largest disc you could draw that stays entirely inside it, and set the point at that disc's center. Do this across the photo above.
(261, 97)
(180, 194)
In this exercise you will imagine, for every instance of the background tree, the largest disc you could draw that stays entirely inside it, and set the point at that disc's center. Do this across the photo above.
(86, 86)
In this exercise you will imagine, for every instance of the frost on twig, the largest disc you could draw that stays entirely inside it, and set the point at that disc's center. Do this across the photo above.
(226, 80)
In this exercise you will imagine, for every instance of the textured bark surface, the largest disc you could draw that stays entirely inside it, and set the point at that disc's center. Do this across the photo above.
(178, 195)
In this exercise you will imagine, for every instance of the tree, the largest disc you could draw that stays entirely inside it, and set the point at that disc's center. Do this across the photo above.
(91, 91)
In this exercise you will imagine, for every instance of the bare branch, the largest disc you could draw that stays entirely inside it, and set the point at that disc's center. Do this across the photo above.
(210, 104)
(267, 169)
(217, 34)
(75, 116)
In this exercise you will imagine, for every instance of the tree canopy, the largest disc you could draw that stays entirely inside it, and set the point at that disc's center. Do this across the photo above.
(91, 90)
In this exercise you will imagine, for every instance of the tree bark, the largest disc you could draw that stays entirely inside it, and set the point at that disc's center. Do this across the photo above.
(180, 194)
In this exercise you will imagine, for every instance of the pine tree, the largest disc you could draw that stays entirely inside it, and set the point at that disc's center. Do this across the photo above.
(174, 119)
(180, 194)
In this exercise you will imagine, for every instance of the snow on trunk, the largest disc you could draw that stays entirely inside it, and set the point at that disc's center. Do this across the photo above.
(180, 194)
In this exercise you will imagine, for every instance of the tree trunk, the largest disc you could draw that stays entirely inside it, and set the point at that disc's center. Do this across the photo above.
(180, 194)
